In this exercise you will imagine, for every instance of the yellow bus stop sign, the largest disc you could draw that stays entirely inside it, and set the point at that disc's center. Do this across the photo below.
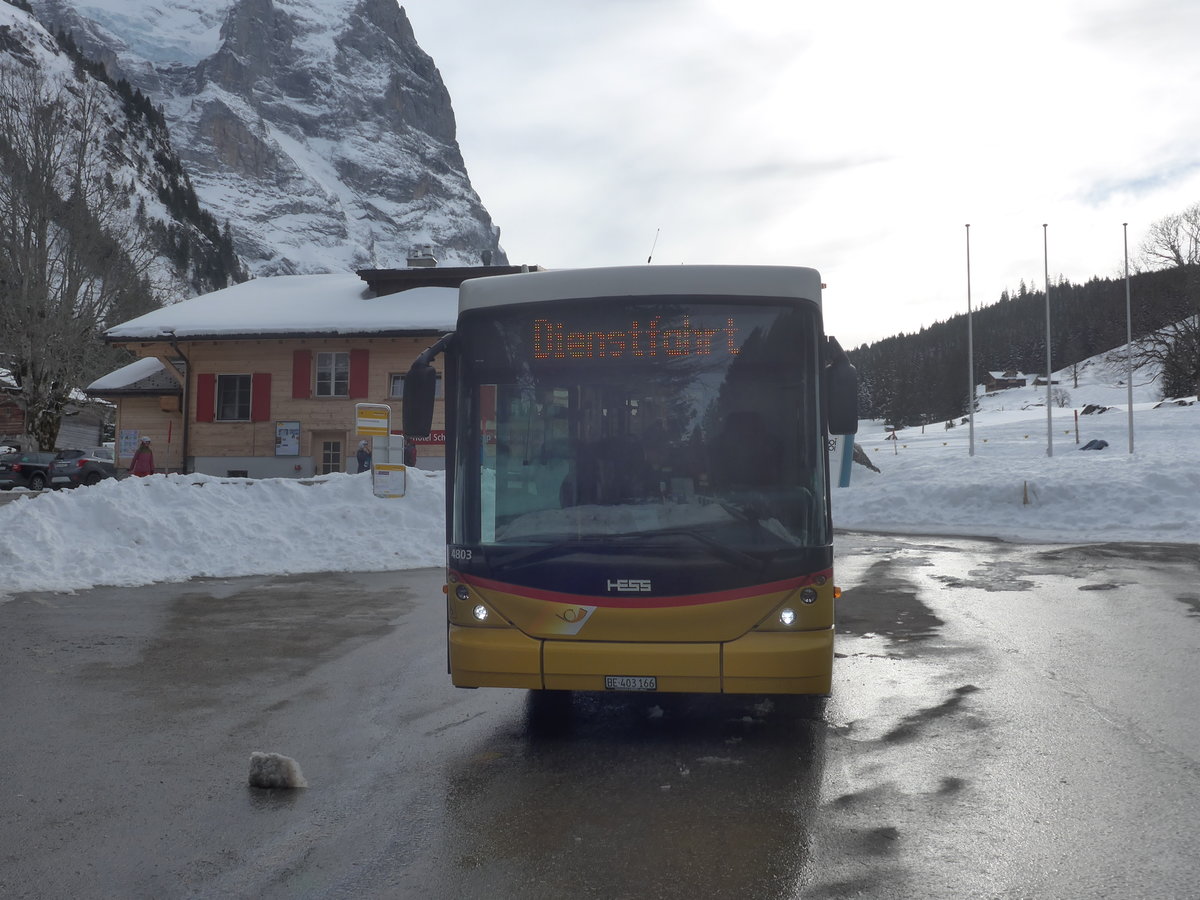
(389, 480)
(372, 419)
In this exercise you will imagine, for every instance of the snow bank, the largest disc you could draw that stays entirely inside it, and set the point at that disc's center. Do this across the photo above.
(173, 527)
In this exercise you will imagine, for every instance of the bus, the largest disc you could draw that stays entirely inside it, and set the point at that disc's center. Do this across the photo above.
(637, 479)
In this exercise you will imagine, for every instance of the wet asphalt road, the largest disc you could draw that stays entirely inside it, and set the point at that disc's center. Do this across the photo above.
(1007, 722)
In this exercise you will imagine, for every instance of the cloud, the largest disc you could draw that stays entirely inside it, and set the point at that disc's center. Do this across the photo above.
(1142, 185)
(858, 139)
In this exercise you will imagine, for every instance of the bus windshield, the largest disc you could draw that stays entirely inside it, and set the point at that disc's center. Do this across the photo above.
(644, 419)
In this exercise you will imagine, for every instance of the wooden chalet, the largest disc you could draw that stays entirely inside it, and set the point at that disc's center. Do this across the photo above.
(262, 379)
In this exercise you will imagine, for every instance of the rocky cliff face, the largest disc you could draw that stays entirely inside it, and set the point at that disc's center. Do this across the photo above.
(318, 129)
(110, 134)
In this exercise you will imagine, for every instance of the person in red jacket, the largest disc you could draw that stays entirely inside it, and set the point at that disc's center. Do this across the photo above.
(143, 459)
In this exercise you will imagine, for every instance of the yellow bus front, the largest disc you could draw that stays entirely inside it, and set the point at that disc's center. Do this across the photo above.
(765, 639)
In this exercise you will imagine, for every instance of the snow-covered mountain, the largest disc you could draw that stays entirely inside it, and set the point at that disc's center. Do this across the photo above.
(147, 205)
(318, 129)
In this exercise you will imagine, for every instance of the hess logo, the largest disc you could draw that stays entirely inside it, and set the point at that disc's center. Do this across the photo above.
(629, 585)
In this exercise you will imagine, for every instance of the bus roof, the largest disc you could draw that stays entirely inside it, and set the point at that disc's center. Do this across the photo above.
(630, 281)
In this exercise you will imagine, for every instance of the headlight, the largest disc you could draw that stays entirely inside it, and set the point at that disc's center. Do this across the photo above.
(808, 595)
(787, 616)
(462, 592)
(480, 612)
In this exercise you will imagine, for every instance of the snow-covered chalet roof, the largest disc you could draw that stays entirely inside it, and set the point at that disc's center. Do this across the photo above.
(1009, 374)
(145, 374)
(297, 305)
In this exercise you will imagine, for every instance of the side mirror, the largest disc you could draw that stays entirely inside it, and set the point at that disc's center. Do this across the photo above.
(841, 383)
(420, 388)
(420, 384)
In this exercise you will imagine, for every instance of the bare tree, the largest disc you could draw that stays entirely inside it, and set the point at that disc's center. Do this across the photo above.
(1173, 242)
(72, 259)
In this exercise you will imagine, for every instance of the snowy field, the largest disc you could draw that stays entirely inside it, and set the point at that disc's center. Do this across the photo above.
(930, 484)
(171, 528)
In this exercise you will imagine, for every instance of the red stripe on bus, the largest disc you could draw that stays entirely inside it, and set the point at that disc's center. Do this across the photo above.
(645, 602)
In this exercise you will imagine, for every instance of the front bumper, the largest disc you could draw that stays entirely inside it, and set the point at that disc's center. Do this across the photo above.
(757, 663)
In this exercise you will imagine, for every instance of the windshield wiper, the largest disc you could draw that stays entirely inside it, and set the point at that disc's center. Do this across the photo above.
(535, 553)
(742, 515)
(762, 527)
(729, 554)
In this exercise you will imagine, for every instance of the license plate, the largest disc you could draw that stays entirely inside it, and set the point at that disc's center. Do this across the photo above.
(630, 683)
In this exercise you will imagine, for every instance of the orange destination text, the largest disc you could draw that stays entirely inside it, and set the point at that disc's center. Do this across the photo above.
(555, 340)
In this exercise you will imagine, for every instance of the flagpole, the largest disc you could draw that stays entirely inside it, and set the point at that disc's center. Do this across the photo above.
(1128, 337)
(1049, 369)
(970, 355)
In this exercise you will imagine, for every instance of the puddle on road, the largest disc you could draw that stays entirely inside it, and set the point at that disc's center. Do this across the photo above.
(988, 580)
(888, 604)
(884, 697)
(912, 725)
(910, 730)
(1123, 554)
(1192, 601)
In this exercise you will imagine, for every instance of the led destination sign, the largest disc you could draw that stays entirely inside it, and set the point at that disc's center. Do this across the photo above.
(552, 339)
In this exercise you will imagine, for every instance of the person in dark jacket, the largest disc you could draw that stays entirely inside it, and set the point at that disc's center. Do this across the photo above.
(364, 456)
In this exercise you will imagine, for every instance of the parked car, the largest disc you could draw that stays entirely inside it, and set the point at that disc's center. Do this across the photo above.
(72, 468)
(28, 468)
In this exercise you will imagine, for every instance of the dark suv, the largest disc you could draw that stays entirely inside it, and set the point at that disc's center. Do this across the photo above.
(29, 469)
(72, 468)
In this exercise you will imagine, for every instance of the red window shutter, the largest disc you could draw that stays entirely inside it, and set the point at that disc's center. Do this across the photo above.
(260, 397)
(206, 397)
(358, 372)
(301, 374)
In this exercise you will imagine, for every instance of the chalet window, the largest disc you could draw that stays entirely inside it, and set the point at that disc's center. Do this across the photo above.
(396, 391)
(233, 398)
(333, 375)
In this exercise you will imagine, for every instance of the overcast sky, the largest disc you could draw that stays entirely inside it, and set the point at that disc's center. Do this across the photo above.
(856, 138)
